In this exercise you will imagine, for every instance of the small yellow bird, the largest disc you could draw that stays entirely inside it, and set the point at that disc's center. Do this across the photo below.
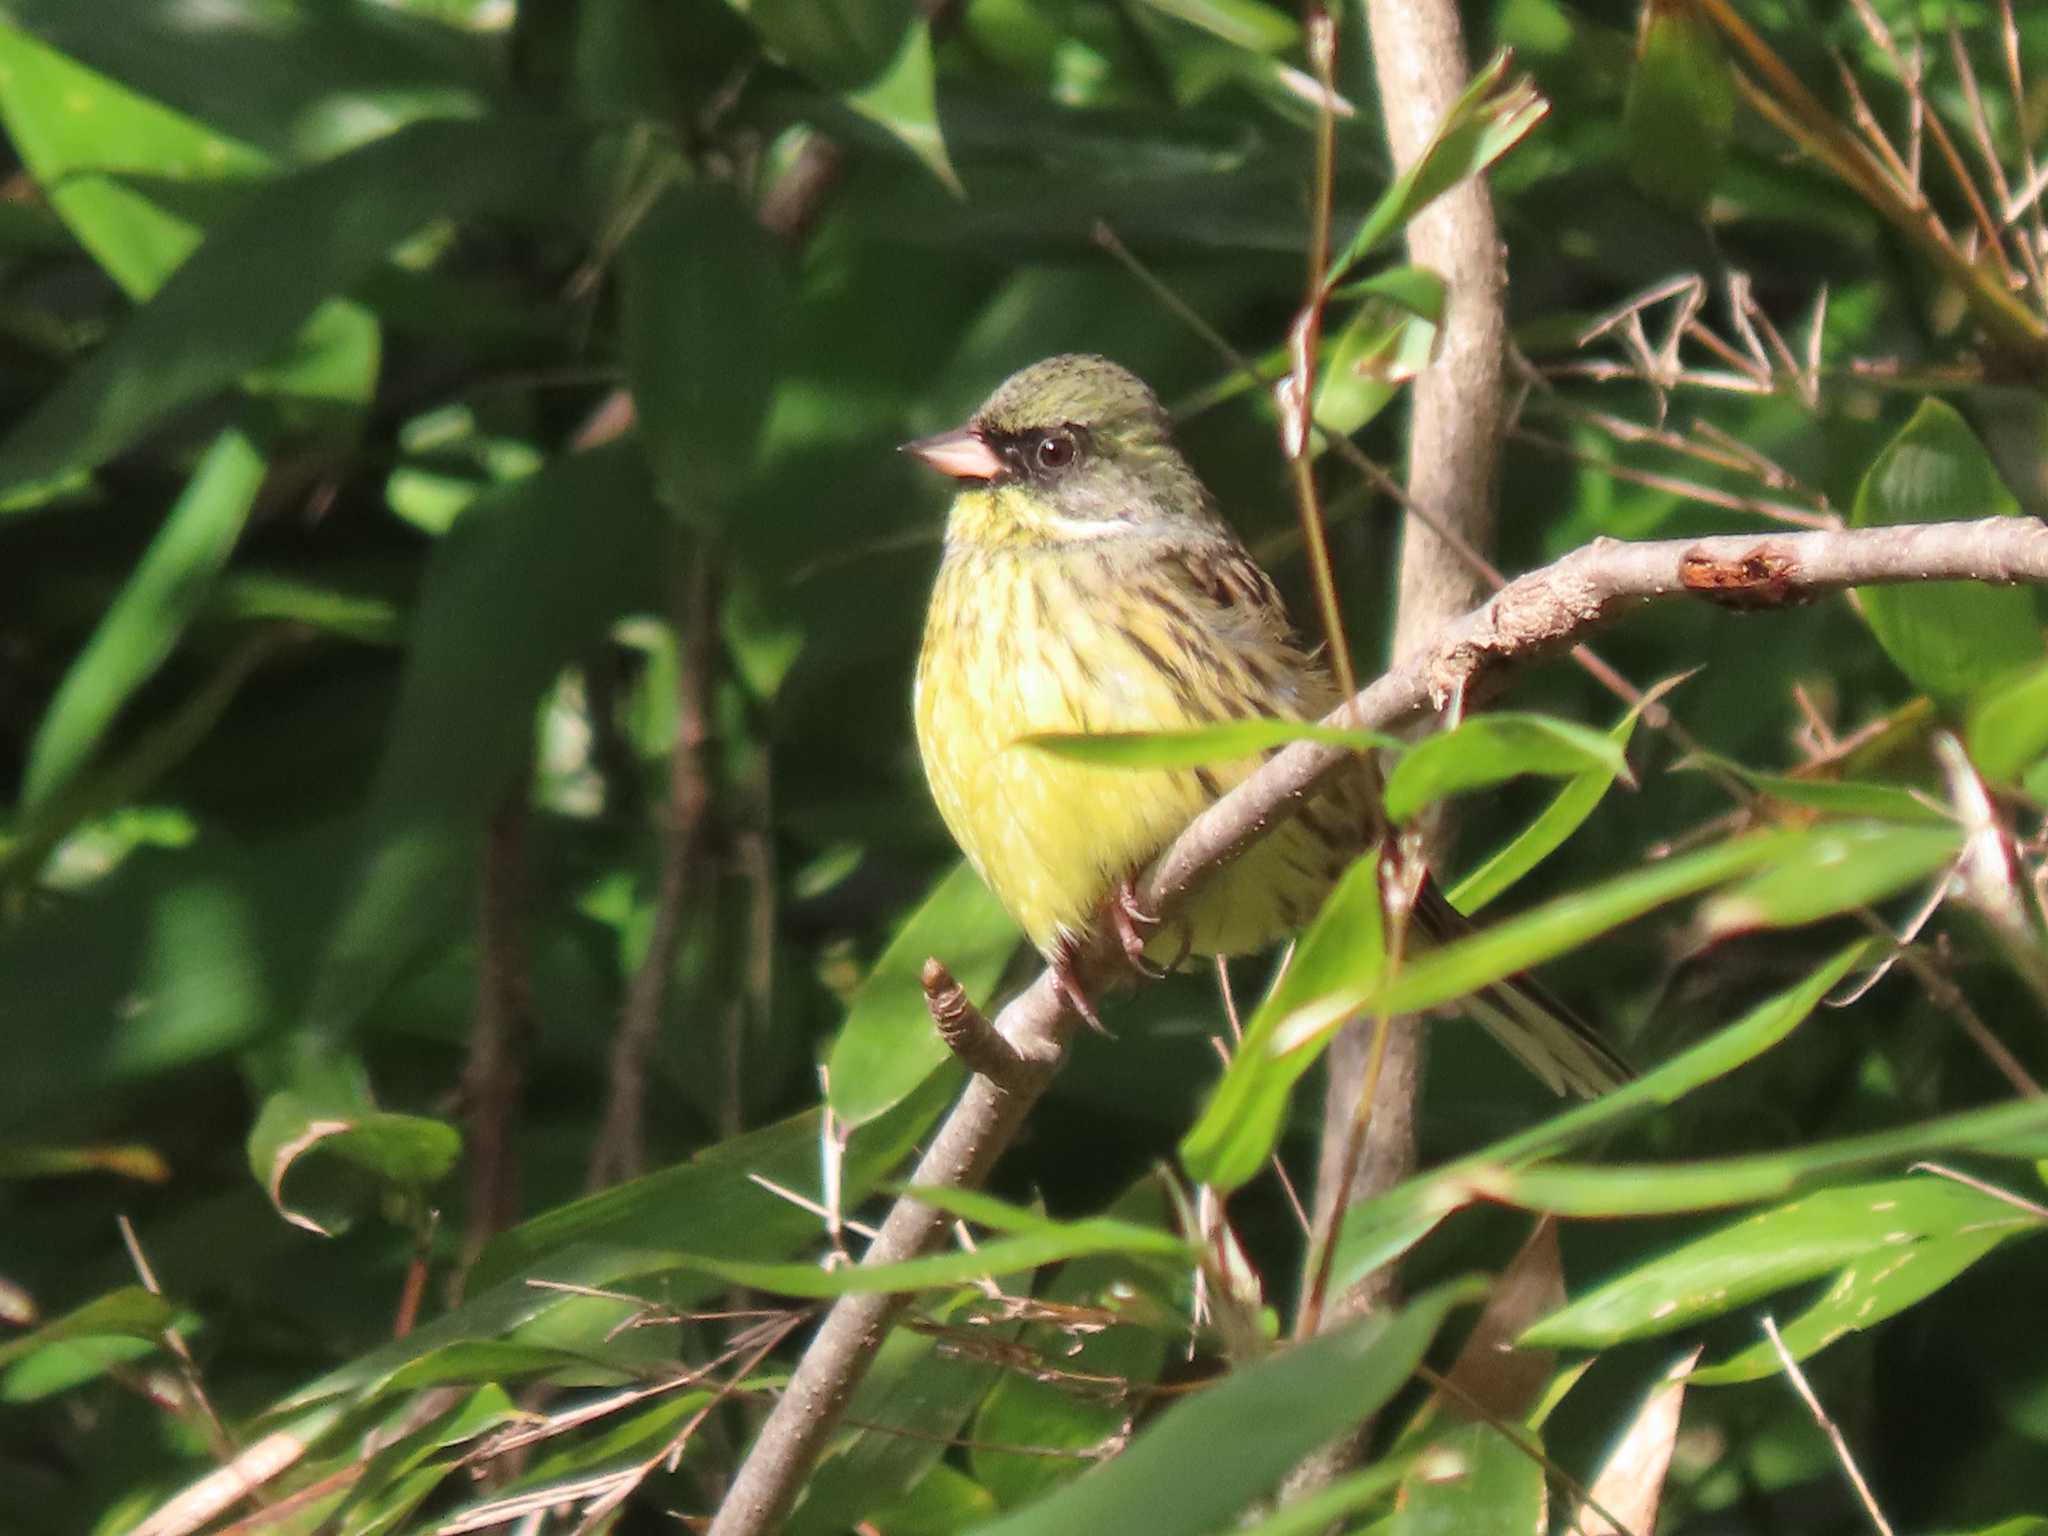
(1089, 585)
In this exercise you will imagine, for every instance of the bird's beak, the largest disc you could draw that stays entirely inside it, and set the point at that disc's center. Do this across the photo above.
(961, 453)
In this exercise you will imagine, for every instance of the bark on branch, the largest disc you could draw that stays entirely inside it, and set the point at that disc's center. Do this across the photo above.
(1532, 616)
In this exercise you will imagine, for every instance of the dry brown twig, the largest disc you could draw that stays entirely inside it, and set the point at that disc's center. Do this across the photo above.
(1534, 615)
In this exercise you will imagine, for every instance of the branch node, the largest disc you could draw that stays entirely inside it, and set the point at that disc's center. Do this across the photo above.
(982, 1048)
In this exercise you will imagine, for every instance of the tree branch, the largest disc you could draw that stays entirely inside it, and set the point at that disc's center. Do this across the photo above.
(1532, 616)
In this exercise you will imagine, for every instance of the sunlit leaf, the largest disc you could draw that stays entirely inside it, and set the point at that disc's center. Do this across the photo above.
(130, 1312)
(2009, 727)
(1492, 116)
(1547, 833)
(1379, 1230)
(141, 627)
(1868, 1235)
(1338, 962)
(1831, 869)
(1197, 745)
(2006, 1130)
(1489, 749)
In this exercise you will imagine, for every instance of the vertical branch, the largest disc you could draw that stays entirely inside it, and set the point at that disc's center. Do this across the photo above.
(620, 1151)
(501, 1028)
(1455, 432)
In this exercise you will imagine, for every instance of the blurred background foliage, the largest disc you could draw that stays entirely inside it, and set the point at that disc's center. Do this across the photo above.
(457, 599)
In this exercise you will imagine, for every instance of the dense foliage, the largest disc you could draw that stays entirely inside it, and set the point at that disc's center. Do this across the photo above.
(441, 789)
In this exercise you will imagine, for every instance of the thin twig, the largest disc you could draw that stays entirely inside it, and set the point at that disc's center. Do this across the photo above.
(1820, 1417)
(620, 1150)
(500, 1030)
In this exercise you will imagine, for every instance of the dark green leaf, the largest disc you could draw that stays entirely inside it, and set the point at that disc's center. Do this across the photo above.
(1681, 106)
(300, 239)
(376, 1152)
(528, 578)
(705, 303)
(1950, 638)
(1196, 1467)
(889, 1044)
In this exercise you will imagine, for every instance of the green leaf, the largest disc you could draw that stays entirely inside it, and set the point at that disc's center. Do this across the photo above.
(130, 1312)
(1196, 1467)
(1243, 1119)
(840, 44)
(338, 1159)
(1458, 969)
(903, 101)
(1489, 119)
(889, 1044)
(263, 270)
(1338, 961)
(1197, 745)
(1378, 349)
(1853, 797)
(1863, 1232)
(529, 577)
(1490, 749)
(1681, 106)
(2008, 728)
(1051, 1244)
(713, 1200)
(725, 1198)
(142, 626)
(1831, 869)
(703, 300)
(1315, 1513)
(2005, 1130)
(1864, 1294)
(83, 136)
(1950, 638)
(1547, 833)
(1472, 1477)
(1379, 1230)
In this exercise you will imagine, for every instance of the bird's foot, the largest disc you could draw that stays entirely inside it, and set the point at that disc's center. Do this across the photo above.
(1066, 982)
(1134, 928)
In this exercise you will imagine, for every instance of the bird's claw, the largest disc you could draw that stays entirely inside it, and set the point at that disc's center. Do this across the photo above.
(1066, 983)
(1134, 929)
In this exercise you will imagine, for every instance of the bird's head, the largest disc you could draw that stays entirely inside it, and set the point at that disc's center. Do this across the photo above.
(1074, 447)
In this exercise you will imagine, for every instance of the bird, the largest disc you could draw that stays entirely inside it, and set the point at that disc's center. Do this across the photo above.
(1089, 584)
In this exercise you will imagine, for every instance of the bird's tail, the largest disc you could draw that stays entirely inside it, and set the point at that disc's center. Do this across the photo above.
(1522, 1014)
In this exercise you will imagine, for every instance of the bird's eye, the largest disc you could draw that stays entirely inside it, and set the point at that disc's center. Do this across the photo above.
(1055, 450)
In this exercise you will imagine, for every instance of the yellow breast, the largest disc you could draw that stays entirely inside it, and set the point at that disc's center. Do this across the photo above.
(1091, 637)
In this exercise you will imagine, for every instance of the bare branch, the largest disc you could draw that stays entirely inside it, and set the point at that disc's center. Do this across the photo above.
(1537, 614)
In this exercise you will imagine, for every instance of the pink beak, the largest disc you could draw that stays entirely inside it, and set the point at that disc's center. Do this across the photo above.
(960, 453)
